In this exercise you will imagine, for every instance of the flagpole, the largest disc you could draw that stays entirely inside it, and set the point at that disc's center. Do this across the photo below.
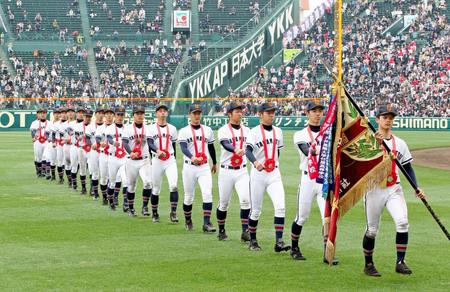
(397, 162)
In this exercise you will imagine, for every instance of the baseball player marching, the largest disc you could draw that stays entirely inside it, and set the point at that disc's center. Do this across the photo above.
(308, 190)
(67, 127)
(196, 142)
(263, 144)
(75, 145)
(162, 141)
(389, 196)
(49, 154)
(84, 148)
(233, 170)
(94, 155)
(135, 144)
(59, 131)
(37, 129)
(116, 161)
(102, 144)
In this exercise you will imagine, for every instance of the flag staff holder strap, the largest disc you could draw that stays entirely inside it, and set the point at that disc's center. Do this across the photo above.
(397, 162)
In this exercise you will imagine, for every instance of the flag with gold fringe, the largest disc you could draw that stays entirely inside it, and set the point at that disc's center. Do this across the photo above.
(357, 163)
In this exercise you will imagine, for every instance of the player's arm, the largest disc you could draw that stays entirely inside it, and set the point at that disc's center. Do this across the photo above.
(212, 153)
(251, 157)
(126, 145)
(226, 144)
(174, 144)
(185, 149)
(151, 145)
(110, 139)
(304, 147)
(33, 133)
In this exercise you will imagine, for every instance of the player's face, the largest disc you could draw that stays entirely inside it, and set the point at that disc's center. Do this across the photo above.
(109, 117)
(162, 113)
(63, 116)
(79, 115)
(235, 116)
(267, 117)
(138, 118)
(71, 115)
(56, 116)
(119, 118)
(385, 122)
(195, 117)
(87, 119)
(315, 115)
(99, 117)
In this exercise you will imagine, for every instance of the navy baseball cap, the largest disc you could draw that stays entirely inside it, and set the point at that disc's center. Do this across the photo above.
(108, 109)
(62, 109)
(99, 109)
(138, 109)
(195, 107)
(41, 110)
(234, 105)
(70, 109)
(120, 110)
(80, 109)
(313, 105)
(266, 107)
(57, 110)
(386, 109)
(160, 106)
(88, 112)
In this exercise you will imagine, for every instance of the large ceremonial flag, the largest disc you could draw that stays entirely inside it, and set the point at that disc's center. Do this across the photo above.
(357, 163)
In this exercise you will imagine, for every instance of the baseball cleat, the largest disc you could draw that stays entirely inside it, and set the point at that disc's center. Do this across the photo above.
(208, 228)
(281, 246)
(334, 262)
(105, 202)
(132, 213)
(112, 207)
(245, 236)
(61, 181)
(296, 254)
(48, 177)
(402, 268)
(95, 198)
(53, 178)
(83, 191)
(116, 201)
(254, 246)
(370, 270)
(173, 217)
(155, 218)
(188, 225)
(222, 236)
(145, 212)
(125, 208)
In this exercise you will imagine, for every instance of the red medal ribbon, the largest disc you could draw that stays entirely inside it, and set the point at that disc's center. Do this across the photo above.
(392, 178)
(269, 164)
(313, 170)
(236, 160)
(202, 154)
(137, 146)
(120, 152)
(166, 150)
(41, 138)
(86, 147)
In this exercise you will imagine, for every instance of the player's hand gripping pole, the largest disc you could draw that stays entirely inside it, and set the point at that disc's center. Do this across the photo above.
(400, 166)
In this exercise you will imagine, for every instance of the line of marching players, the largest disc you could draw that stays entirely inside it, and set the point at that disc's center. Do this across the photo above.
(113, 155)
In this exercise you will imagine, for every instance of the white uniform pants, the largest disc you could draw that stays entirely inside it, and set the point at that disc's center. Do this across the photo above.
(202, 175)
(66, 153)
(93, 164)
(169, 168)
(237, 179)
(260, 182)
(392, 198)
(103, 167)
(74, 158)
(116, 171)
(143, 168)
(38, 148)
(308, 190)
(59, 156)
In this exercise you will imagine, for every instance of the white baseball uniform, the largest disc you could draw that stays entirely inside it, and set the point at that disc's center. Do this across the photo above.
(163, 138)
(390, 197)
(233, 176)
(104, 151)
(93, 159)
(49, 154)
(68, 132)
(308, 189)
(262, 181)
(75, 145)
(192, 173)
(59, 136)
(136, 137)
(38, 129)
(116, 165)
(80, 134)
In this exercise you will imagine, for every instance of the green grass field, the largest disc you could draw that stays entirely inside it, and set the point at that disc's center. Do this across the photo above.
(54, 239)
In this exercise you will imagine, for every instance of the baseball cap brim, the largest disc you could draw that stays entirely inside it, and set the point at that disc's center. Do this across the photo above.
(316, 106)
(160, 107)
